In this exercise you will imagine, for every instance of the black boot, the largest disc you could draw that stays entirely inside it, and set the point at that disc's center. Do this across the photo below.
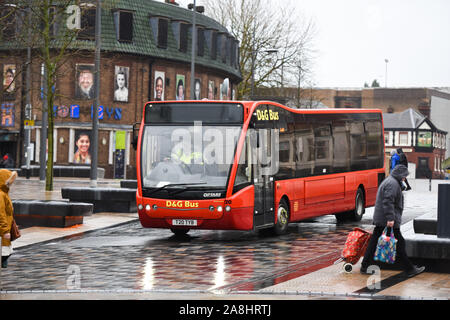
(5, 261)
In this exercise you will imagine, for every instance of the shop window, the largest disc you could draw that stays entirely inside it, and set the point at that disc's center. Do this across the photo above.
(123, 21)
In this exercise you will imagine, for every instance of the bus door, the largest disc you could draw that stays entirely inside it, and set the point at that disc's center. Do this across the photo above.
(263, 173)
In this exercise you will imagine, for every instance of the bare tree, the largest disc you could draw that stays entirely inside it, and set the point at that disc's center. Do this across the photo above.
(41, 26)
(262, 26)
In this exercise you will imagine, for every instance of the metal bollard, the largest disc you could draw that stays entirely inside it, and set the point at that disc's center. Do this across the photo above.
(429, 185)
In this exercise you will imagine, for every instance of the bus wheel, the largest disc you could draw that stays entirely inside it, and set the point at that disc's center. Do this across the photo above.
(179, 232)
(357, 213)
(282, 218)
(342, 217)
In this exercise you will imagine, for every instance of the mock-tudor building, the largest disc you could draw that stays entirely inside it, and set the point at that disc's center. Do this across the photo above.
(421, 141)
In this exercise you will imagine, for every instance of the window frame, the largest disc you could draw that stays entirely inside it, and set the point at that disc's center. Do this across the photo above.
(117, 24)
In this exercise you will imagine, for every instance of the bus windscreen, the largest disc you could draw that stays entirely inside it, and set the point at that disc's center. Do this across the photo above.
(223, 113)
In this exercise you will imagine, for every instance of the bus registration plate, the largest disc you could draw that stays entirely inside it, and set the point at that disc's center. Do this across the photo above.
(184, 222)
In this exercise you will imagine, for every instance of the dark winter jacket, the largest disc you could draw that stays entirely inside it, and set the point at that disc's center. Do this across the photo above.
(389, 202)
(402, 157)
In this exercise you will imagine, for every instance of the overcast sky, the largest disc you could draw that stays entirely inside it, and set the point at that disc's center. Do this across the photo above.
(354, 37)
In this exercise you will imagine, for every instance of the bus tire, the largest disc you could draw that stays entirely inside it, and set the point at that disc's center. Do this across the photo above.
(281, 225)
(357, 213)
(342, 217)
(179, 232)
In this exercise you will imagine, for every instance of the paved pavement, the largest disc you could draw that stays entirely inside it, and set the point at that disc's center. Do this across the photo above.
(295, 279)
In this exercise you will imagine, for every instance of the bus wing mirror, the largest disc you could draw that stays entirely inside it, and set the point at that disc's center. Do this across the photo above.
(257, 139)
(134, 141)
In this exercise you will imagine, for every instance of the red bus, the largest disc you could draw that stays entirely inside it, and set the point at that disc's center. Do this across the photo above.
(251, 165)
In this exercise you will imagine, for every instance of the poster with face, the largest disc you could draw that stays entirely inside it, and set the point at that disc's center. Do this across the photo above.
(225, 90)
(197, 89)
(9, 72)
(210, 90)
(159, 86)
(121, 77)
(82, 153)
(180, 89)
(84, 87)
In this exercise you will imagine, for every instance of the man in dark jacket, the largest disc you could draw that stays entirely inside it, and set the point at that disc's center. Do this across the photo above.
(388, 213)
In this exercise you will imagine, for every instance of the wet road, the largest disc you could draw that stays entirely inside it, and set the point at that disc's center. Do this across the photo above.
(130, 257)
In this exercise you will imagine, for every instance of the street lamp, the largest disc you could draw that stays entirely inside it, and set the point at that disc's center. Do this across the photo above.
(200, 9)
(254, 54)
(94, 143)
(385, 74)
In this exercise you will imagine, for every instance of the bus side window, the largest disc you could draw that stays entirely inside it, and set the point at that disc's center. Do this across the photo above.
(323, 148)
(244, 170)
(358, 153)
(305, 153)
(374, 144)
(341, 154)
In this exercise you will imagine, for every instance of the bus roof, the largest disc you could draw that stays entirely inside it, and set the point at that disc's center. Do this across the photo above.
(250, 106)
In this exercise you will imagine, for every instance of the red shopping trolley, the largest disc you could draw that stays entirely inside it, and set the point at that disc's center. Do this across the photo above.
(354, 248)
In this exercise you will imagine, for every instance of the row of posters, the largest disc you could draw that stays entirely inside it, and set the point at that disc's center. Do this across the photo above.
(85, 86)
(180, 88)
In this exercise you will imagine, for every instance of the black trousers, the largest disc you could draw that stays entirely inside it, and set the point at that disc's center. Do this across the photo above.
(401, 256)
(5, 261)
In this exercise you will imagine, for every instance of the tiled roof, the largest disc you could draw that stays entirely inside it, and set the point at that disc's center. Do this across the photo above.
(144, 42)
(408, 119)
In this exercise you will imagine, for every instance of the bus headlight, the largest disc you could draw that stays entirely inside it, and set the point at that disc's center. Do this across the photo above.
(147, 207)
(155, 207)
(219, 209)
(140, 207)
(211, 208)
(227, 208)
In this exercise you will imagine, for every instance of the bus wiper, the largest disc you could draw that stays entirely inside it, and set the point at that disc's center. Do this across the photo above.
(176, 184)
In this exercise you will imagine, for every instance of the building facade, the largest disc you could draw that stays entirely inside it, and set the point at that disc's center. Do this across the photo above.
(145, 56)
(420, 140)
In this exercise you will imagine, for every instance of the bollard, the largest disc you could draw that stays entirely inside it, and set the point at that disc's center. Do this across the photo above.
(443, 221)
(429, 185)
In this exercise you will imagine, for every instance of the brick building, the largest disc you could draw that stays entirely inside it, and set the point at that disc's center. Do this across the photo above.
(144, 44)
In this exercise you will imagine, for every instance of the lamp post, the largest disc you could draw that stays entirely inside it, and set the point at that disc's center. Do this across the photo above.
(194, 41)
(385, 73)
(254, 55)
(194, 9)
(94, 143)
